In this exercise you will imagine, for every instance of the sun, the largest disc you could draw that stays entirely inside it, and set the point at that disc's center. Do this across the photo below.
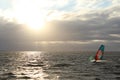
(35, 23)
(29, 13)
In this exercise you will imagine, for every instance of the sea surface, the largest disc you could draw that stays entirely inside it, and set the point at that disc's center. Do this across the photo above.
(40, 65)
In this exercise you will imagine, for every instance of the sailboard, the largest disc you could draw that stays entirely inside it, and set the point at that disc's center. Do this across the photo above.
(99, 55)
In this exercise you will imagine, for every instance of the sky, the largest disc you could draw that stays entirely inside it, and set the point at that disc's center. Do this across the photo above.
(59, 25)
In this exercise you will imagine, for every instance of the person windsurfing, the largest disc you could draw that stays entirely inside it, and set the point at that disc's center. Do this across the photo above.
(99, 54)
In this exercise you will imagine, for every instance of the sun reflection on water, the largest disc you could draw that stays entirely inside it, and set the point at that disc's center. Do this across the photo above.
(28, 65)
(34, 67)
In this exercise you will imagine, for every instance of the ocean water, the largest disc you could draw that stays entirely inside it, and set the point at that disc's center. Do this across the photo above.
(37, 65)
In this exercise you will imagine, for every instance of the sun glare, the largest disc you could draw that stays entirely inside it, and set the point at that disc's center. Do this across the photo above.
(27, 12)
(36, 25)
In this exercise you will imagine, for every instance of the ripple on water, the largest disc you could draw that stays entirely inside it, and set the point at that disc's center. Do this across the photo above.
(12, 75)
(62, 65)
(118, 78)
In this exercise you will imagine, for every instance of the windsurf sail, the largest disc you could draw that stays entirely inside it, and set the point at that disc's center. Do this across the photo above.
(99, 53)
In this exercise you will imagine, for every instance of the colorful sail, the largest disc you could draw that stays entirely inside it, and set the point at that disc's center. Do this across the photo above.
(100, 52)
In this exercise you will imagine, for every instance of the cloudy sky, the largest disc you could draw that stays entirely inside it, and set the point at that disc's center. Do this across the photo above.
(58, 25)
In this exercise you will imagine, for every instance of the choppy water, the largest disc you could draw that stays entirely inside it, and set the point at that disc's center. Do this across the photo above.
(57, 66)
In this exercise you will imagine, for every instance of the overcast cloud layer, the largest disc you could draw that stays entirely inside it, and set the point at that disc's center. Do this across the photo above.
(78, 25)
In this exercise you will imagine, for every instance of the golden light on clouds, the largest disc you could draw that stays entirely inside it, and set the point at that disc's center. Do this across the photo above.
(29, 13)
(35, 13)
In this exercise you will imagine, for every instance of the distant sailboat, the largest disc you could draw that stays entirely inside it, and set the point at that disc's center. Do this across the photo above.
(99, 55)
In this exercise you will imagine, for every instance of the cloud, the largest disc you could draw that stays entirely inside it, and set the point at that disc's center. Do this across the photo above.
(84, 27)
